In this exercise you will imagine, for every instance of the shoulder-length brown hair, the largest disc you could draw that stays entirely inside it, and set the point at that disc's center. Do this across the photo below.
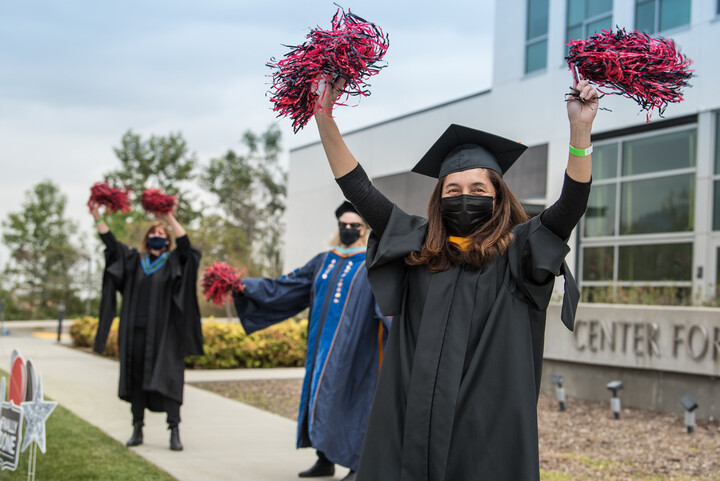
(487, 243)
(155, 225)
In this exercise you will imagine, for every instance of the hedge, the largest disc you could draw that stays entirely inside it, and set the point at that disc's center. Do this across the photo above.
(226, 345)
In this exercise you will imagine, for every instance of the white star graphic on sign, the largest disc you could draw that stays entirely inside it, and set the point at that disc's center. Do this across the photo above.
(36, 413)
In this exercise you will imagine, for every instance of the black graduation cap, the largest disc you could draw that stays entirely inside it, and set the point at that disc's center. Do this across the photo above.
(462, 148)
(345, 207)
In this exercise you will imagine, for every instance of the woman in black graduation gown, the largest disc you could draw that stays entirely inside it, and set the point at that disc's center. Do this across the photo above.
(159, 318)
(457, 395)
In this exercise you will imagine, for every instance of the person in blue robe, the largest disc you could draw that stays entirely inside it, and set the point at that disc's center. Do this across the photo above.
(345, 342)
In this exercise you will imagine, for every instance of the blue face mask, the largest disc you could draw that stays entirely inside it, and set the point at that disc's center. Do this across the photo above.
(156, 242)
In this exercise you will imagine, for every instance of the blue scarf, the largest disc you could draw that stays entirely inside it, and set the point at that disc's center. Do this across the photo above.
(150, 267)
(348, 250)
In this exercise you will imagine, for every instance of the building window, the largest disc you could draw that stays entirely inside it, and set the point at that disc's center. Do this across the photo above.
(652, 16)
(637, 233)
(717, 274)
(587, 17)
(536, 35)
(716, 177)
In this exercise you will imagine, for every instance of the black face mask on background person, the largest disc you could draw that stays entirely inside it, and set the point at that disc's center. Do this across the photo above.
(156, 242)
(463, 214)
(349, 236)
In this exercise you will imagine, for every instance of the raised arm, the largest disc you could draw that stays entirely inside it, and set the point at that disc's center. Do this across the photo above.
(581, 114)
(562, 217)
(177, 229)
(102, 227)
(372, 205)
(339, 156)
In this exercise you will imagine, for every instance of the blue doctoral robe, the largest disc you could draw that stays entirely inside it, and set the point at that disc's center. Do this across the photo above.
(345, 332)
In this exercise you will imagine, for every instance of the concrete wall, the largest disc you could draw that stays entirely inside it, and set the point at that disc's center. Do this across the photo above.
(656, 390)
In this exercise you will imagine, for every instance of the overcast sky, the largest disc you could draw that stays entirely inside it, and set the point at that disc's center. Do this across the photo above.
(76, 75)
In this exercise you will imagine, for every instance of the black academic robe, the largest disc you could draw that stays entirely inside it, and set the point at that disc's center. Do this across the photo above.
(173, 328)
(457, 394)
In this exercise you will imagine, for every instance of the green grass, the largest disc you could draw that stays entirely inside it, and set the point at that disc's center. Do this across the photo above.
(78, 451)
(555, 476)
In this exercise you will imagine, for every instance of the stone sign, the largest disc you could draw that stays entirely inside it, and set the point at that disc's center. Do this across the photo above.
(662, 338)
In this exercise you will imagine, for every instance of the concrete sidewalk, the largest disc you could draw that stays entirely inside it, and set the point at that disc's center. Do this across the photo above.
(223, 439)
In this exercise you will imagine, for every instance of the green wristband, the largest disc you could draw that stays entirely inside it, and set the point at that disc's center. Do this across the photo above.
(99, 221)
(580, 152)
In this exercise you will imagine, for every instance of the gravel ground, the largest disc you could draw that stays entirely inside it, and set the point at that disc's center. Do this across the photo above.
(583, 443)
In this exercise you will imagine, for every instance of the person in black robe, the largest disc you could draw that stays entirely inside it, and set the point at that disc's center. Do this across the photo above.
(469, 286)
(159, 318)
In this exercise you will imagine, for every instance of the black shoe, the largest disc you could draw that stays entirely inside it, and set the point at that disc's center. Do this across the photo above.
(137, 436)
(322, 467)
(175, 443)
(350, 476)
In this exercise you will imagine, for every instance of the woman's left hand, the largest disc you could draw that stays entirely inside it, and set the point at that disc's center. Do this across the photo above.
(583, 107)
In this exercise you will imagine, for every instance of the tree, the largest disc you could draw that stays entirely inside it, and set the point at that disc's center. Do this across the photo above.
(250, 192)
(158, 162)
(42, 256)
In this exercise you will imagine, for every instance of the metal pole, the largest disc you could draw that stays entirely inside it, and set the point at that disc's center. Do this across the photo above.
(89, 286)
(61, 313)
(2, 316)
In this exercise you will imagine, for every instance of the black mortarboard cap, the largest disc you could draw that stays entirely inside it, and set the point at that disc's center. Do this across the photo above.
(462, 148)
(345, 207)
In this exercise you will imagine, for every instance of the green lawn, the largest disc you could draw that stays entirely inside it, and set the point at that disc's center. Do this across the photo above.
(77, 451)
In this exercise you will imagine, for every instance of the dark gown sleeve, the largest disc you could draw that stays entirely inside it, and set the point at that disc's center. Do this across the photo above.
(185, 295)
(184, 248)
(538, 253)
(116, 258)
(403, 234)
(372, 205)
(562, 217)
(264, 301)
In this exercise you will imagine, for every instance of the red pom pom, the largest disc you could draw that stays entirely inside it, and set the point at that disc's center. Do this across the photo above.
(351, 49)
(112, 198)
(651, 71)
(156, 202)
(220, 281)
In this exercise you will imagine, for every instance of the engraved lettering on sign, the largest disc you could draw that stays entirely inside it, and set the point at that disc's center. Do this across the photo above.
(653, 335)
(593, 335)
(638, 339)
(697, 345)
(677, 340)
(607, 334)
(576, 334)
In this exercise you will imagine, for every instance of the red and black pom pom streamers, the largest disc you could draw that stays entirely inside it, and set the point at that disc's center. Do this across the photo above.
(112, 198)
(156, 202)
(352, 49)
(219, 282)
(651, 71)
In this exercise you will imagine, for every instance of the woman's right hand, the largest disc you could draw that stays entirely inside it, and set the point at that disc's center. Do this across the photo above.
(331, 92)
(94, 210)
(102, 227)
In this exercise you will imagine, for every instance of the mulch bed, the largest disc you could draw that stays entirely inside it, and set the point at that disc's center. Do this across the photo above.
(583, 443)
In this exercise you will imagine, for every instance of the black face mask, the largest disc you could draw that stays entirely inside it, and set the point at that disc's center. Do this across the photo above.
(349, 236)
(156, 242)
(463, 214)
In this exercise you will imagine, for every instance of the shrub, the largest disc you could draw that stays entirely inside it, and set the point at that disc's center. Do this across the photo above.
(226, 345)
(83, 332)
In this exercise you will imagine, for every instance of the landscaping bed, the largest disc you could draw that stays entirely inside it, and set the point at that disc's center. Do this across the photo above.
(583, 443)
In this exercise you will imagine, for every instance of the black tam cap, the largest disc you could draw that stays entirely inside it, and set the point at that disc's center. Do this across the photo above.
(345, 207)
(462, 148)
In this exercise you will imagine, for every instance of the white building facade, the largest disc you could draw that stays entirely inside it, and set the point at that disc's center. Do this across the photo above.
(652, 227)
